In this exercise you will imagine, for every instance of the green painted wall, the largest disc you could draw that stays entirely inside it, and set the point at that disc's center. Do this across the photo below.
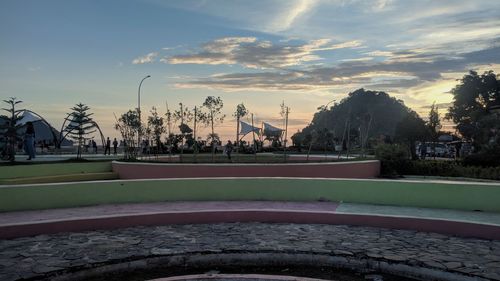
(385, 192)
(38, 170)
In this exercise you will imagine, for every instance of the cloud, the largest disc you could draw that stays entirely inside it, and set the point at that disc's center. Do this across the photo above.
(253, 53)
(149, 58)
(290, 14)
(392, 73)
(443, 105)
(358, 59)
(378, 53)
(381, 5)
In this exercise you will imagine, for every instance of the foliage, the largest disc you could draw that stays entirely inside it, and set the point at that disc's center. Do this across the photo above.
(213, 138)
(80, 125)
(392, 158)
(213, 117)
(448, 169)
(488, 157)
(370, 112)
(169, 118)
(241, 111)
(198, 117)
(394, 162)
(409, 130)
(298, 139)
(185, 129)
(155, 122)
(184, 115)
(130, 127)
(472, 100)
(434, 123)
(10, 127)
(324, 138)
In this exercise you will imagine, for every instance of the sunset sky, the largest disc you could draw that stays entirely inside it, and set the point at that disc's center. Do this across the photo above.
(54, 54)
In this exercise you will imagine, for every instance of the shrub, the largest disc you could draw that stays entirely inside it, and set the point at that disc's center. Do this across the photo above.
(395, 161)
(393, 158)
(448, 169)
(489, 157)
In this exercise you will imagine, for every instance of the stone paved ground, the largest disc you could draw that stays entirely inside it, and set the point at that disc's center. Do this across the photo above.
(34, 256)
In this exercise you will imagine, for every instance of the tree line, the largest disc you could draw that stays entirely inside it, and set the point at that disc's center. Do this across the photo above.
(365, 118)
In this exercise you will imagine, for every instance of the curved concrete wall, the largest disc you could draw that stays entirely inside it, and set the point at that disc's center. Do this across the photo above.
(357, 169)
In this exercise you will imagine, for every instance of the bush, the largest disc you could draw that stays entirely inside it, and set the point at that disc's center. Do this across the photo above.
(448, 169)
(393, 158)
(395, 162)
(489, 157)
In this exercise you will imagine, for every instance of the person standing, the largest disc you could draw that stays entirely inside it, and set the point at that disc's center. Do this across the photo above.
(108, 147)
(115, 145)
(29, 140)
(229, 149)
(94, 145)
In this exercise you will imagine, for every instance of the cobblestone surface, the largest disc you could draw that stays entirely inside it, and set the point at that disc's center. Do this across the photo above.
(36, 256)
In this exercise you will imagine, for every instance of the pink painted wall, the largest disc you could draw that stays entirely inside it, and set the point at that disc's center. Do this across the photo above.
(358, 169)
(465, 229)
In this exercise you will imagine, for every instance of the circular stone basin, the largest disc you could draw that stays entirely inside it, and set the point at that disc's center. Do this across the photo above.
(240, 272)
(236, 277)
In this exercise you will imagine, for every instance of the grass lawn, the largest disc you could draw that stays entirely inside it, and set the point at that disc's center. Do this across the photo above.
(484, 197)
(26, 171)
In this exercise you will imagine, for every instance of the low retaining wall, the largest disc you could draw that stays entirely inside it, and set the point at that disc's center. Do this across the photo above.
(447, 227)
(358, 169)
(466, 196)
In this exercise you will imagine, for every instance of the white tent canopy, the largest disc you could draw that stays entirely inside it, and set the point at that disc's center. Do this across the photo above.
(270, 128)
(26, 117)
(43, 130)
(247, 128)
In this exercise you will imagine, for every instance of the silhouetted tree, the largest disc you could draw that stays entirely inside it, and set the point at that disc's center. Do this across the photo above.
(213, 117)
(472, 99)
(360, 116)
(80, 125)
(410, 130)
(184, 115)
(241, 111)
(155, 123)
(129, 126)
(10, 127)
(434, 122)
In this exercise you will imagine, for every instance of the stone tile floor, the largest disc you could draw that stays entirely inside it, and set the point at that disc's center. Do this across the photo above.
(30, 257)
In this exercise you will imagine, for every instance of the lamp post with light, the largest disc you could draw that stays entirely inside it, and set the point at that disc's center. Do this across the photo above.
(139, 110)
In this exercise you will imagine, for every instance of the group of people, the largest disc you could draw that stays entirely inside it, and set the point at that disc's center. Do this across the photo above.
(29, 144)
(107, 146)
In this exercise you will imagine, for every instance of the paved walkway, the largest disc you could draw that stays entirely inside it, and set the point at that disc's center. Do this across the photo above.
(369, 248)
(166, 230)
(453, 222)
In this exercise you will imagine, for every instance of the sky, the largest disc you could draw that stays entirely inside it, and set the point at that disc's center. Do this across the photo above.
(56, 53)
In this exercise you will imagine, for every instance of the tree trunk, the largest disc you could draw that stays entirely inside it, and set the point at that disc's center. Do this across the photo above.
(182, 135)
(195, 148)
(286, 130)
(237, 136)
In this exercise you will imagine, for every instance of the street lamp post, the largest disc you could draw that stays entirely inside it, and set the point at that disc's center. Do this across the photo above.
(139, 110)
